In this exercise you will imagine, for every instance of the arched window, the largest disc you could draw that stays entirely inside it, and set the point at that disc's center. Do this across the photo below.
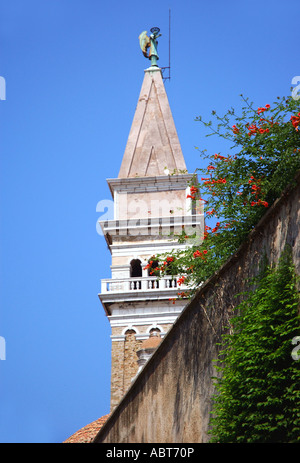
(154, 332)
(136, 268)
(130, 334)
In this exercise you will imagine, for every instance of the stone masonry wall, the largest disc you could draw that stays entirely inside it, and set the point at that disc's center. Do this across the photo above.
(131, 347)
(170, 400)
(124, 365)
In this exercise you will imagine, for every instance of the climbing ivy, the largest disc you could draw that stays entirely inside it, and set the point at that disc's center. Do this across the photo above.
(258, 390)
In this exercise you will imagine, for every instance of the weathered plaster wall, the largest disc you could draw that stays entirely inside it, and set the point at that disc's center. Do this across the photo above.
(170, 401)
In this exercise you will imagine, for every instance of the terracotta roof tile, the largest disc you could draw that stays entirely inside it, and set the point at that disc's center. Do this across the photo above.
(86, 434)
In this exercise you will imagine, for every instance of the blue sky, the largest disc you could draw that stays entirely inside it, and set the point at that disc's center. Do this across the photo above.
(73, 71)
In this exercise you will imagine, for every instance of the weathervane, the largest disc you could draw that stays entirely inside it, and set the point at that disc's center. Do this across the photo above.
(151, 43)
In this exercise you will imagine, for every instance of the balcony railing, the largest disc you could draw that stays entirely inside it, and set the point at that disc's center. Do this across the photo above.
(126, 285)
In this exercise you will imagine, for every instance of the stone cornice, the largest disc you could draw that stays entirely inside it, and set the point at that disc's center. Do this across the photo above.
(149, 184)
(134, 226)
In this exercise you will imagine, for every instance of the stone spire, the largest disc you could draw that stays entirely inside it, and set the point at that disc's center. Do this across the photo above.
(153, 143)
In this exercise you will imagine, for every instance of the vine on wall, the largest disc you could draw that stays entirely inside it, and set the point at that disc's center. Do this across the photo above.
(258, 391)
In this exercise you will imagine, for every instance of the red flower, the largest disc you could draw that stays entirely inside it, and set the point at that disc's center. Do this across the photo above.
(295, 121)
(214, 230)
(199, 254)
(218, 156)
(181, 280)
(252, 129)
(183, 294)
(210, 212)
(261, 110)
(260, 203)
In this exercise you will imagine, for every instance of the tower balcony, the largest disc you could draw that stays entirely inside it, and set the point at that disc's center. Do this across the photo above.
(138, 290)
(127, 285)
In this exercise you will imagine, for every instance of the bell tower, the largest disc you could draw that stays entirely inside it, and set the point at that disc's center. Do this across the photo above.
(150, 204)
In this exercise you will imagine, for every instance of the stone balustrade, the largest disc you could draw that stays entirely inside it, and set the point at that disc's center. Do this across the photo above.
(138, 284)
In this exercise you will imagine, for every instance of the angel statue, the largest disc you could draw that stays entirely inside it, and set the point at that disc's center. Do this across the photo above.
(150, 42)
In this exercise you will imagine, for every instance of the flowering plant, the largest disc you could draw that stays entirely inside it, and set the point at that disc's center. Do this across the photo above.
(237, 189)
